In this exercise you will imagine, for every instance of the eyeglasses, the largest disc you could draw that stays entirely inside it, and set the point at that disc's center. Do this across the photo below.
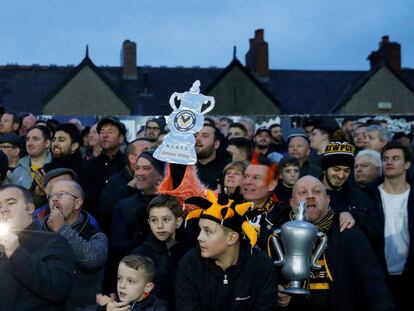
(60, 195)
(2, 147)
(152, 128)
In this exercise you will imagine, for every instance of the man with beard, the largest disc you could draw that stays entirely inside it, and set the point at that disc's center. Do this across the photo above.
(211, 160)
(350, 277)
(262, 140)
(66, 153)
(66, 143)
(279, 145)
(153, 128)
(351, 202)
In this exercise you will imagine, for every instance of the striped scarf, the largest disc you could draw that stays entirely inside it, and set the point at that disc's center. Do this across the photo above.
(324, 224)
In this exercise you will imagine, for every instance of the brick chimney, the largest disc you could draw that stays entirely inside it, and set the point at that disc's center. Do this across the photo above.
(388, 53)
(129, 60)
(257, 58)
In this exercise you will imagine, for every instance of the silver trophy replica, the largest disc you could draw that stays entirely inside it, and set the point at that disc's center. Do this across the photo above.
(298, 237)
(184, 122)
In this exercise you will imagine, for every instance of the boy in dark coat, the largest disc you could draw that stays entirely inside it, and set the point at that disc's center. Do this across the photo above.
(135, 284)
(166, 244)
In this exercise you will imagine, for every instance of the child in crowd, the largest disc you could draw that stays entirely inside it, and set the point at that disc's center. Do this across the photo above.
(289, 169)
(135, 284)
(166, 244)
(225, 272)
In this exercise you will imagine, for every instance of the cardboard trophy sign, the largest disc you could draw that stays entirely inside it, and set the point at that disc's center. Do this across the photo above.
(184, 122)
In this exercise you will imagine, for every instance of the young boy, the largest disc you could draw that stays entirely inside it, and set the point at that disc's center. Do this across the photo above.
(135, 283)
(225, 272)
(289, 173)
(166, 244)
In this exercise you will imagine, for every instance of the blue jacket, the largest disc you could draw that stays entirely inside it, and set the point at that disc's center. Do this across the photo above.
(22, 174)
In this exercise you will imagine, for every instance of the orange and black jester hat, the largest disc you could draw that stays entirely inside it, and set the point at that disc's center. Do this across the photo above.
(224, 211)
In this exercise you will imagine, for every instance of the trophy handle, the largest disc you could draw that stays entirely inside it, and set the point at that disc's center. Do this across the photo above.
(277, 248)
(212, 103)
(319, 250)
(172, 100)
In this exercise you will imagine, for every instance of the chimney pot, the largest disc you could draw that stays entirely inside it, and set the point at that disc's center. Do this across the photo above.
(259, 35)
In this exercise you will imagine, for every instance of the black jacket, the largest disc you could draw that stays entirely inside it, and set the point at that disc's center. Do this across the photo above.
(356, 274)
(96, 173)
(38, 276)
(359, 204)
(283, 193)
(72, 161)
(129, 223)
(150, 303)
(251, 283)
(166, 262)
(115, 189)
(375, 195)
(211, 173)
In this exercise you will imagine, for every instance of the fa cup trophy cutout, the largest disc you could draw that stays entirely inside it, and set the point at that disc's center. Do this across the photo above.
(184, 122)
(298, 238)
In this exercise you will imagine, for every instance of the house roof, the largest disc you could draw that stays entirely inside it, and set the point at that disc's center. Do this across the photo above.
(236, 64)
(86, 62)
(406, 78)
(309, 92)
(28, 88)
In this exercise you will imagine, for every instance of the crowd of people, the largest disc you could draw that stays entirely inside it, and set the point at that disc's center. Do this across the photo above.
(90, 221)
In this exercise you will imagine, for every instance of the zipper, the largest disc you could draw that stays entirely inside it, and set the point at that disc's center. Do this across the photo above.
(225, 280)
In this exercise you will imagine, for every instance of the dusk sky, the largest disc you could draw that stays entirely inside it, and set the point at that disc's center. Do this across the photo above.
(302, 34)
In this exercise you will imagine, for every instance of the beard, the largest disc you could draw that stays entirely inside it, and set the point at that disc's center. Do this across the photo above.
(205, 152)
(331, 185)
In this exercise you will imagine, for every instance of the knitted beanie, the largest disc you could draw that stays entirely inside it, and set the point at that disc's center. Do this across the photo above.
(338, 154)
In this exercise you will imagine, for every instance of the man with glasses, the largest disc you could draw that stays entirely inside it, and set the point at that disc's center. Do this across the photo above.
(10, 144)
(89, 244)
(153, 129)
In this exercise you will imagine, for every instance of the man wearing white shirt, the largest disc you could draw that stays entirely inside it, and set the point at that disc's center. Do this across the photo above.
(394, 200)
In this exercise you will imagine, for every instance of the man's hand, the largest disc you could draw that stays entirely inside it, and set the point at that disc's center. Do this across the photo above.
(55, 221)
(346, 221)
(283, 299)
(103, 300)
(39, 177)
(10, 241)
